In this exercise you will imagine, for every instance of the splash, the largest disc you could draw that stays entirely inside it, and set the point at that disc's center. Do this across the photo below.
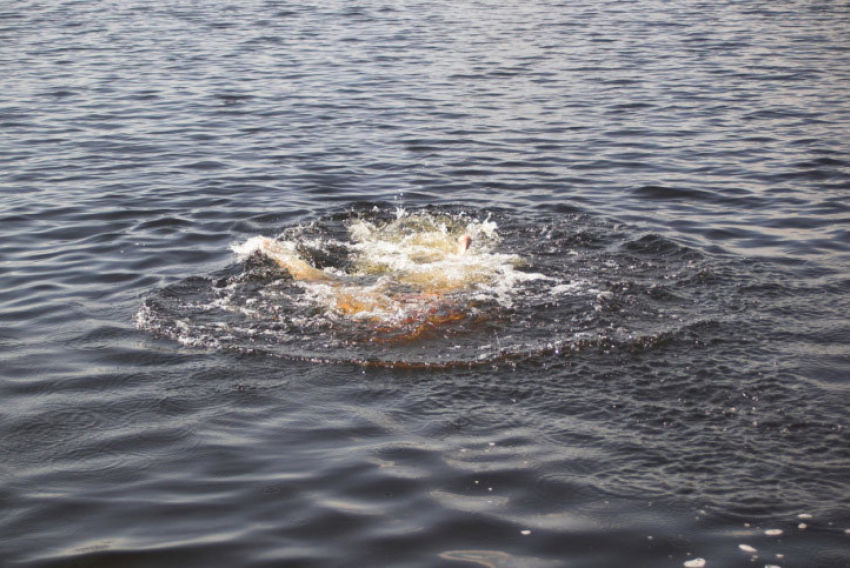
(392, 287)
(406, 277)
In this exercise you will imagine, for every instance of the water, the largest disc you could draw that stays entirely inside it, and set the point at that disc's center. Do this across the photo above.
(672, 388)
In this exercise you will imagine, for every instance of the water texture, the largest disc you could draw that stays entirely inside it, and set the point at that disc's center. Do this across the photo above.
(674, 389)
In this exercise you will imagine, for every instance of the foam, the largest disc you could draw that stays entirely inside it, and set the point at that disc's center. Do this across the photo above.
(249, 247)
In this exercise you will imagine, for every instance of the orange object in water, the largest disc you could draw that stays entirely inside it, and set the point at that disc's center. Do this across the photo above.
(396, 316)
(348, 304)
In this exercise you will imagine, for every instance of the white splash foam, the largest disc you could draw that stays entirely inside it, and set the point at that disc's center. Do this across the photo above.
(249, 247)
(563, 289)
(144, 318)
(415, 251)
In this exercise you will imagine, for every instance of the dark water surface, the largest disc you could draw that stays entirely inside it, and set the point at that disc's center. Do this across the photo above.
(682, 169)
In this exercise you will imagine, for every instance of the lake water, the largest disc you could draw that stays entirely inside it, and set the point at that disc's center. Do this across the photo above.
(654, 372)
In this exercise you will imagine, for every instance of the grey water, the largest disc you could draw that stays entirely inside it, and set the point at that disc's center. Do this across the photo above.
(682, 168)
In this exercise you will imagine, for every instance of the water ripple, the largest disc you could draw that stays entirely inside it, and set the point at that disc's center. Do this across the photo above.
(689, 160)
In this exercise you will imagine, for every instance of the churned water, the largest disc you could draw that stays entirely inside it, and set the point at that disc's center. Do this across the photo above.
(642, 360)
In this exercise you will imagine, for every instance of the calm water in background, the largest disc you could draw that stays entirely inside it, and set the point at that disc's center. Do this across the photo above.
(693, 153)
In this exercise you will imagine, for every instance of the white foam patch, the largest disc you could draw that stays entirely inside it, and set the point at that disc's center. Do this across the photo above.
(249, 247)
(144, 318)
(574, 287)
